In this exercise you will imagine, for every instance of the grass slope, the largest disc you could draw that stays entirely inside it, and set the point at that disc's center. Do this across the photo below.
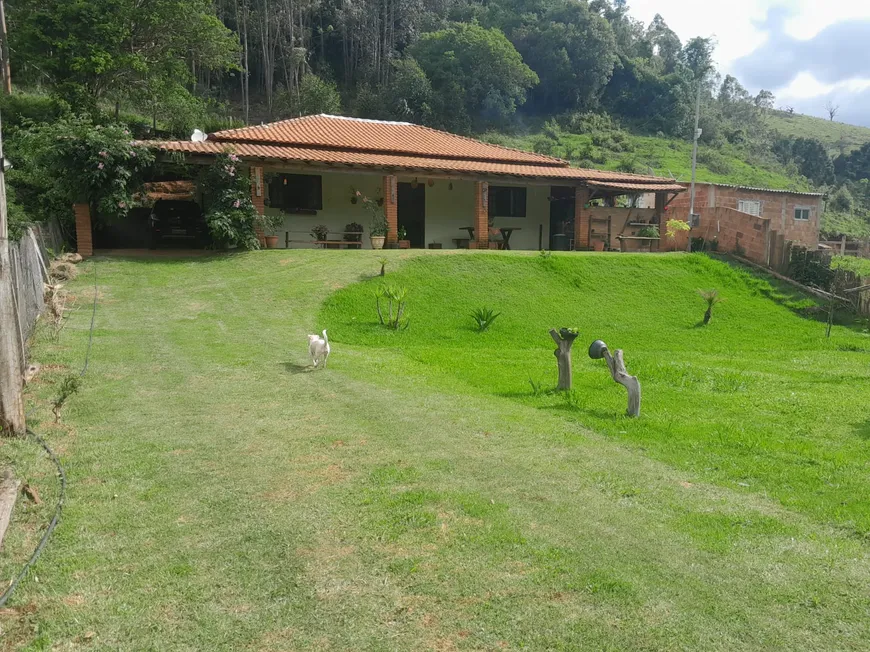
(738, 402)
(858, 265)
(666, 157)
(834, 135)
(417, 495)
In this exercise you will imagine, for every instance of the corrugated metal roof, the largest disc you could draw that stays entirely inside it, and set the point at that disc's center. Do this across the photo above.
(638, 187)
(348, 160)
(754, 189)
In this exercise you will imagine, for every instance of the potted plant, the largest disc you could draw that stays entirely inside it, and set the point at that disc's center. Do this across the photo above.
(320, 233)
(353, 233)
(269, 224)
(378, 227)
(404, 243)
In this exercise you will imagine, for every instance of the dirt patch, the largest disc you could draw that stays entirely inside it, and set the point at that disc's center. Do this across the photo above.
(327, 552)
(74, 600)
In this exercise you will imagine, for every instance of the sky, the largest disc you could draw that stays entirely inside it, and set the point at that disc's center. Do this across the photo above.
(808, 52)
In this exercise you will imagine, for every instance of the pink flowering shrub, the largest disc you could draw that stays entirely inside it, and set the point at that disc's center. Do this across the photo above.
(229, 212)
(73, 160)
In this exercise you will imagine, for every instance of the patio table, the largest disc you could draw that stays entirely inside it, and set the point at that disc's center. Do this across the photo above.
(505, 234)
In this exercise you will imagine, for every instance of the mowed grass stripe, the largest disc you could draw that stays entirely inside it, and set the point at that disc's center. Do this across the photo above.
(416, 495)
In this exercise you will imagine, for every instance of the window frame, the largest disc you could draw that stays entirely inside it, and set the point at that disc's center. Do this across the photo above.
(742, 202)
(516, 211)
(807, 209)
(303, 180)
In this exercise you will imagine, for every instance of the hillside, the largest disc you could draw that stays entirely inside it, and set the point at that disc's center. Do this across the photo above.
(659, 155)
(836, 136)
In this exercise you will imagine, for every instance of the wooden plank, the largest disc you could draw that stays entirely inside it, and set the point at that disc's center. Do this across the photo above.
(8, 496)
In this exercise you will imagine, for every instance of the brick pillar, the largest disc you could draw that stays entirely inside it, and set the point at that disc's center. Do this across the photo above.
(391, 207)
(258, 197)
(581, 218)
(481, 214)
(84, 230)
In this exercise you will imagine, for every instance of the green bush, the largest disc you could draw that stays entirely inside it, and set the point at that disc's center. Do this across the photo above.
(229, 212)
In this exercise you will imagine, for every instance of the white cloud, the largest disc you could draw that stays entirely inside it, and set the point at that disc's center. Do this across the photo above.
(736, 24)
(743, 27)
(806, 86)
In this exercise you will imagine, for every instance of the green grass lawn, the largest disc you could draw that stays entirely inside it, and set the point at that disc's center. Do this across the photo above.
(419, 494)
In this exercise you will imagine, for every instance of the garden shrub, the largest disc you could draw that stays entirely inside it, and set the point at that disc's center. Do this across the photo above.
(229, 212)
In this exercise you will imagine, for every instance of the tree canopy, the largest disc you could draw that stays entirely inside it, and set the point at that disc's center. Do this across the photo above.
(478, 77)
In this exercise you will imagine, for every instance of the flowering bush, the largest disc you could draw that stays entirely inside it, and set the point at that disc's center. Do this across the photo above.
(73, 160)
(229, 212)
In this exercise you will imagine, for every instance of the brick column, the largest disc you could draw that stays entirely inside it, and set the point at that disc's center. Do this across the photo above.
(481, 214)
(581, 218)
(84, 230)
(391, 207)
(258, 197)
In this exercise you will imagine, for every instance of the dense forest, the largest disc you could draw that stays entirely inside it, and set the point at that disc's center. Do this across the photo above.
(492, 67)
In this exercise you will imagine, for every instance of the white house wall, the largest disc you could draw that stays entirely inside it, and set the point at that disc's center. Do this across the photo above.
(337, 212)
(447, 211)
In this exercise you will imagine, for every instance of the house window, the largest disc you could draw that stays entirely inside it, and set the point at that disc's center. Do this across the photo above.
(507, 201)
(748, 206)
(296, 193)
(801, 213)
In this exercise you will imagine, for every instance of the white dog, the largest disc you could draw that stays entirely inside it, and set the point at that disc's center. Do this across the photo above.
(318, 349)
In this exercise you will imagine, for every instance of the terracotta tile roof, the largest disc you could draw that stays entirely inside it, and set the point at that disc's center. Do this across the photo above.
(344, 160)
(337, 132)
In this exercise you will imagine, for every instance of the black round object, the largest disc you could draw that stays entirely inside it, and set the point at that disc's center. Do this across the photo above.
(596, 349)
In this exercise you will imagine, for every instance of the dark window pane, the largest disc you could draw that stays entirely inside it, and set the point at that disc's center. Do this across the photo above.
(296, 192)
(507, 201)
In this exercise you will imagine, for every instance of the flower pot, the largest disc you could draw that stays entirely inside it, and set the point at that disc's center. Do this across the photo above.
(377, 241)
(271, 242)
(598, 245)
(404, 244)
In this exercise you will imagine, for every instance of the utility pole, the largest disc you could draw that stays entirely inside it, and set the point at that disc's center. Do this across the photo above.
(4, 52)
(11, 355)
(694, 165)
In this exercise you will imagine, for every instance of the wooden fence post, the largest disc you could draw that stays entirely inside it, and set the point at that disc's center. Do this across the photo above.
(11, 403)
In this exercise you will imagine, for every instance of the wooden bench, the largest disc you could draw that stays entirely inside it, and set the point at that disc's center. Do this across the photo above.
(324, 243)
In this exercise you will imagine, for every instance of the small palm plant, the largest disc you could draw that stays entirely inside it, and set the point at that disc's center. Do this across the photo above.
(712, 298)
(395, 297)
(383, 262)
(484, 317)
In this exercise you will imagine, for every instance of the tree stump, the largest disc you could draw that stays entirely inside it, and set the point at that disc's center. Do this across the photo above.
(616, 365)
(617, 371)
(564, 339)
